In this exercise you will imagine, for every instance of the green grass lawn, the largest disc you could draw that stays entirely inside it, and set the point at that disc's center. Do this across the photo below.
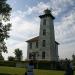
(48, 72)
(12, 70)
(21, 71)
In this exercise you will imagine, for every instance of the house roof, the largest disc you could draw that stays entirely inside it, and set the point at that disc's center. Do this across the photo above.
(36, 39)
(33, 39)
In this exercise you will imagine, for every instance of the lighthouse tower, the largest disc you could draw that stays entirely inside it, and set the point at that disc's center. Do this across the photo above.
(47, 42)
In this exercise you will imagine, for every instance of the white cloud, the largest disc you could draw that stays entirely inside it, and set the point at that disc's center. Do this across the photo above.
(65, 34)
(65, 28)
(21, 30)
(38, 8)
(59, 6)
(22, 26)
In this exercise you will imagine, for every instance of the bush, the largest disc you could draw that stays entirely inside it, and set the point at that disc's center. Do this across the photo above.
(8, 63)
(10, 58)
(47, 65)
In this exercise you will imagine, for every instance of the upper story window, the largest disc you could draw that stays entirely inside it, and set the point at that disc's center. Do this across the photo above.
(30, 56)
(44, 32)
(37, 44)
(30, 45)
(44, 43)
(43, 55)
(44, 22)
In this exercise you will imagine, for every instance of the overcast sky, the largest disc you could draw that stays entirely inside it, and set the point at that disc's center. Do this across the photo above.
(26, 23)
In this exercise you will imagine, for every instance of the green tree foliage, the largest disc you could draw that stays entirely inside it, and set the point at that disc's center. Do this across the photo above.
(5, 10)
(11, 58)
(5, 25)
(18, 54)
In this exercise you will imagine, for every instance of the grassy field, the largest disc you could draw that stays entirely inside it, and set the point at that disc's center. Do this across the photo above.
(12, 70)
(48, 72)
(21, 71)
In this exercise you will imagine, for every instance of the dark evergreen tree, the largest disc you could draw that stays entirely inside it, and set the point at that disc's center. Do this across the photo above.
(1, 57)
(11, 58)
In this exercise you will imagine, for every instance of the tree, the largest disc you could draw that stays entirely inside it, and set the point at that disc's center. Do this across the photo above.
(18, 54)
(4, 24)
(1, 57)
(11, 58)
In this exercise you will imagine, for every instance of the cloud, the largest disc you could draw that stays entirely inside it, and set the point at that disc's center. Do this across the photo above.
(65, 28)
(22, 29)
(22, 26)
(59, 6)
(39, 8)
(66, 51)
(65, 34)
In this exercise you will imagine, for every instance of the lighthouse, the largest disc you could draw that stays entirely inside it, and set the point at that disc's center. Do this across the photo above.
(44, 46)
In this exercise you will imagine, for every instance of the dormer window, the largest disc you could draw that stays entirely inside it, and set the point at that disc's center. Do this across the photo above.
(44, 22)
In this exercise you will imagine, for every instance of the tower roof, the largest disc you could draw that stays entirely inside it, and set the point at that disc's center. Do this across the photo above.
(47, 13)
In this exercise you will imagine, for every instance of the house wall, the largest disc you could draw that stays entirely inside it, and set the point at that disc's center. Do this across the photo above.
(33, 49)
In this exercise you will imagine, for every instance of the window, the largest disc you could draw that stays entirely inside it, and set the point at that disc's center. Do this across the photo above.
(43, 55)
(44, 22)
(37, 44)
(43, 43)
(44, 32)
(30, 45)
(30, 56)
